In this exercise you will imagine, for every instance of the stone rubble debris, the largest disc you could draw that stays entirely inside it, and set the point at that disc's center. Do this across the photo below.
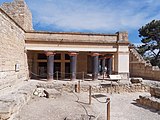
(152, 101)
(39, 92)
(136, 80)
(47, 92)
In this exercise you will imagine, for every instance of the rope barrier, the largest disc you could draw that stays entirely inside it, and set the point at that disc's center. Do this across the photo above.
(102, 110)
(98, 99)
(90, 116)
(107, 106)
(36, 74)
(64, 75)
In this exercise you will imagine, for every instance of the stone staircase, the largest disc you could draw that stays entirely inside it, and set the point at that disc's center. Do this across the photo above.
(138, 57)
(141, 68)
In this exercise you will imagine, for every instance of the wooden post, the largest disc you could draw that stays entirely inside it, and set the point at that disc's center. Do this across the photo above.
(79, 87)
(108, 109)
(90, 88)
(75, 87)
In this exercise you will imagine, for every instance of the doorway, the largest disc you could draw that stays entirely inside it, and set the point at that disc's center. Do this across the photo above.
(67, 70)
(42, 70)
(57, 68)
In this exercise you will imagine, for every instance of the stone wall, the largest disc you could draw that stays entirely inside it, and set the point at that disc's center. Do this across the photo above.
(12, 52)
(140, 68)
(101, 88)
(148, 101)
(20, 12)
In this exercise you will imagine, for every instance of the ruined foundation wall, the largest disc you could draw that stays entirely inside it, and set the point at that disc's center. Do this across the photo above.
(12, 52)
(140, 68)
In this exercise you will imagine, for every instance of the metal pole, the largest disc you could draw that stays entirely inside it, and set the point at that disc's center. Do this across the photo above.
(108, 109)
(103, 75)
(82, 75)
(57, 74)
(90, 95)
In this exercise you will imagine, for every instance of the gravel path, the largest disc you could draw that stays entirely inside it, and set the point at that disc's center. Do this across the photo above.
(123, 107)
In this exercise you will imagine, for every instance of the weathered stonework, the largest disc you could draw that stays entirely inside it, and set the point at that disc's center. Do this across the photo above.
(141, 68)
(11, 103)
(155, 92)
(97, 88)
(148, 101)
(12, 52)
(20, 12)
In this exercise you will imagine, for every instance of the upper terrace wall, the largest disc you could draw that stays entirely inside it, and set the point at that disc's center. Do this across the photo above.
(140, 68)
(11, 52)
(70, 37)
(20, 12)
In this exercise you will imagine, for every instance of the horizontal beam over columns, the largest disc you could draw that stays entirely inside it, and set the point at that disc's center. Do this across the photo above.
(73, 48)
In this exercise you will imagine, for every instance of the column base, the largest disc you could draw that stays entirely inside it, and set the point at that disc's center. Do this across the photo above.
(73, 77)
(95, 76)
(50, 78)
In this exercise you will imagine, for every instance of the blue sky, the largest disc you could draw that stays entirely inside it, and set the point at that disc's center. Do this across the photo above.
(98, 16)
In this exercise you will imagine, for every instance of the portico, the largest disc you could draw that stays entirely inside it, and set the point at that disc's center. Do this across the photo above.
(74, 53)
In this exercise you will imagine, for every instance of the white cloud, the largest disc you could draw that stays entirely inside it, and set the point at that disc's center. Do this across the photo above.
(95, 15)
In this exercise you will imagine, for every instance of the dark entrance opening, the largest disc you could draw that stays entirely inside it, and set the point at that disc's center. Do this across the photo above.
(42, 70)
(67, 70)
(57, 68)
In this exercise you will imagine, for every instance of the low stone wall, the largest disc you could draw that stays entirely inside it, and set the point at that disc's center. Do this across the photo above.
(103, 88)
(144, 71)
(151, 102)
(155, 92)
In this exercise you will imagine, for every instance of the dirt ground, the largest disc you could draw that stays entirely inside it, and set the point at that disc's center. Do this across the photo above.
(74, 106)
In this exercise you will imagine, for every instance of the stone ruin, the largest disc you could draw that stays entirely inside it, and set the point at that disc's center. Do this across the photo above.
(152, 101)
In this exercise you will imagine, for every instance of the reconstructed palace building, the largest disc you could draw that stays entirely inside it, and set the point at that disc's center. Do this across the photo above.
(26, 53)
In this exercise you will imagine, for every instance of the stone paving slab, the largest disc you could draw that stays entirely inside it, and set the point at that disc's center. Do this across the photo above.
(12, 102)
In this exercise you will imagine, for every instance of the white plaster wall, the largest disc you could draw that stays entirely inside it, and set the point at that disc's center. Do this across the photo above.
(123, 62)
(123, 48)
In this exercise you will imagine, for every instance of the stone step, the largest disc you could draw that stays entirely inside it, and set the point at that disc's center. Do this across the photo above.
(52, 93)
